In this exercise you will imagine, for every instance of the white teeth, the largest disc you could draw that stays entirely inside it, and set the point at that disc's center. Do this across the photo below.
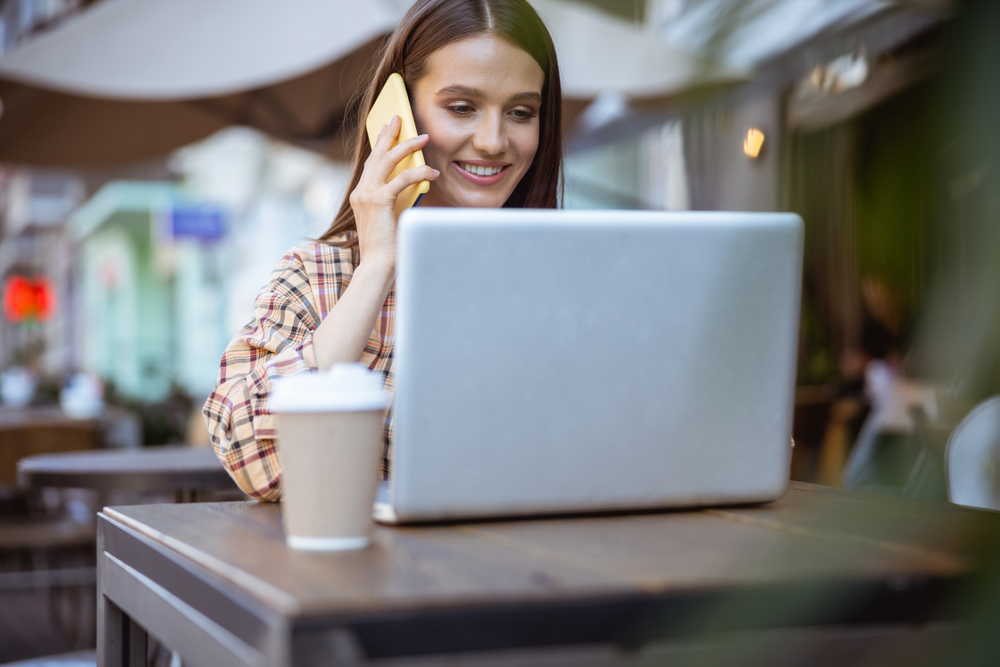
(480, 170)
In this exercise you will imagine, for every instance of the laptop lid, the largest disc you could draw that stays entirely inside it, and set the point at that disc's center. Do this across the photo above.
(558, 361)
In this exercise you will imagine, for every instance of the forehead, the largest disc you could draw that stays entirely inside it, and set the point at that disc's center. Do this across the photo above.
(486, 62)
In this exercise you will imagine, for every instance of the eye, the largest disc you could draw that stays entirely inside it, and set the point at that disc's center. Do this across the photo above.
(523, 114)
(460, 109)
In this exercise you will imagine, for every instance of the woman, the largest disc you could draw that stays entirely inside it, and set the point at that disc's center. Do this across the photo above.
(484, 86)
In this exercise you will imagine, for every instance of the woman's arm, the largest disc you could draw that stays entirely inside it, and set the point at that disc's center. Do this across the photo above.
(342, 335)
(304, 320)
(277, 341)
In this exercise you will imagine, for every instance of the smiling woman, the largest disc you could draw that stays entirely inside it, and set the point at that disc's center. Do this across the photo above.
(479, 101)
(483, 83)
(472, 47)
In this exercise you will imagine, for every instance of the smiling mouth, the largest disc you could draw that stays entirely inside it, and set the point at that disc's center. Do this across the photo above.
(479, 170)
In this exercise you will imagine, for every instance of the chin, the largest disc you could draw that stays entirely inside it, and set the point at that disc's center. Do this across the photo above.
(484, 202)
(476, 200)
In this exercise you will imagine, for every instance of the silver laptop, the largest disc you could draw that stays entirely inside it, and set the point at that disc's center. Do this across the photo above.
(576, 361)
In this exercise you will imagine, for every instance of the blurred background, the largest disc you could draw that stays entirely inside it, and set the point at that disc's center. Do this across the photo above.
(157, 159)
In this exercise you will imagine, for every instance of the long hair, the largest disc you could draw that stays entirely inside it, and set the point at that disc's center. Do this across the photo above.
(426, 27)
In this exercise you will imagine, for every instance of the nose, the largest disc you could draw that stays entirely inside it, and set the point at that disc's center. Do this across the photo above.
(491, 135)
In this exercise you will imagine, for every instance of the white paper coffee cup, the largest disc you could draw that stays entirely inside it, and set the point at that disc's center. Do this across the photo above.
(330, 437)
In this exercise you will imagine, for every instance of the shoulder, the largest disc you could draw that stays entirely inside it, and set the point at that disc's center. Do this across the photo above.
(314, 261)
(313, 273)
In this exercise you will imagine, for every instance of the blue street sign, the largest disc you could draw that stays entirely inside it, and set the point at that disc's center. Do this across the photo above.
(204, 222)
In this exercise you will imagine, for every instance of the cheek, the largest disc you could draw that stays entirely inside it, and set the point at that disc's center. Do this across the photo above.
(445, 138)
(525, 143)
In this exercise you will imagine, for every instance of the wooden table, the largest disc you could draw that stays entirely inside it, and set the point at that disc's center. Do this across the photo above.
(181, 469)
(216, 582)
(37, 430)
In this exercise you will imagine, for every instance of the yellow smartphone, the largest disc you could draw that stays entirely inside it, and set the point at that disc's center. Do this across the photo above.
(393, 101)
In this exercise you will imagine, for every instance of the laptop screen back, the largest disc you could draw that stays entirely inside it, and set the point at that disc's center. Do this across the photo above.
(551, 361)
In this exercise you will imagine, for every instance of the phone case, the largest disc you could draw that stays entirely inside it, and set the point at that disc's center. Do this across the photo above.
(393, 101)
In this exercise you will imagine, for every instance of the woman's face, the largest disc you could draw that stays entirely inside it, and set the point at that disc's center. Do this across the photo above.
(479, 100)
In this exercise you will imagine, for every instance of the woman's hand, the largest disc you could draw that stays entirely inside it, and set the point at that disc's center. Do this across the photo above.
(374, 199)
(343, 333)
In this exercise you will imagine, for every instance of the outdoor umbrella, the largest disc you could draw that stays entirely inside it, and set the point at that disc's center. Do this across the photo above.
(128, 79)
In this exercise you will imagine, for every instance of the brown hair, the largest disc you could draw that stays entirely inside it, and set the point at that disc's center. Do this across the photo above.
(426, 27)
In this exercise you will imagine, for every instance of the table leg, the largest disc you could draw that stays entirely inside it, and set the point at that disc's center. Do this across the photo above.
(121, 641)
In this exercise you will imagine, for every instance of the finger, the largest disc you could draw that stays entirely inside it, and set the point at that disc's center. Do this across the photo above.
(398, 153)
(386, 164)
(409, 177)
(383, 142)
(387, 136)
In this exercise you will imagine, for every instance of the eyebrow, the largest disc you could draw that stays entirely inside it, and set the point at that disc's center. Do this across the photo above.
(467, 91)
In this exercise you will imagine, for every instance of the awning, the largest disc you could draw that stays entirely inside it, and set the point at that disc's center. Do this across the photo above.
(129, 79)
(169, 50)
(124, 80)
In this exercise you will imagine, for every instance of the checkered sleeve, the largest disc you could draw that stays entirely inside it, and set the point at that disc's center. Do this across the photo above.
(277, 341)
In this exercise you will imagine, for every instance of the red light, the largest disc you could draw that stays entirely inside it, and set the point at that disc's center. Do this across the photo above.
(28, 299)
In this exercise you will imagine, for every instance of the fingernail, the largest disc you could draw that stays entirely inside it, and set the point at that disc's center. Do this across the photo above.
(383, 128)
(422, 136)
(436, 172)
(394, 119)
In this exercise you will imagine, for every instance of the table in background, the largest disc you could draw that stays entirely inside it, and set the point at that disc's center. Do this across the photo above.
(179, 469)
(216, 582)
(148, 472)
(47, 429)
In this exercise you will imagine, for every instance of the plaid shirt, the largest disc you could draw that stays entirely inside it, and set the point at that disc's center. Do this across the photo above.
(303, 288)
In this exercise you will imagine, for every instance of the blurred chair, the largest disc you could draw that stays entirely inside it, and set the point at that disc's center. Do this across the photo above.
(44, 544)
(812, 415)
(51, 550)
(900, 448)
(836, 441)
(972, 458)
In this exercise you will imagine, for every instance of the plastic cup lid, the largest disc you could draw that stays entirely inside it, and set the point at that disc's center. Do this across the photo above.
(343, 388)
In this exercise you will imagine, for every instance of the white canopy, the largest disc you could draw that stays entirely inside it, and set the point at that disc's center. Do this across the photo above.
(127, 79)
(184, 49)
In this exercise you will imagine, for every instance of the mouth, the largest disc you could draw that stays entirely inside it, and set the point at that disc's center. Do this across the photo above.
(481, 174)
